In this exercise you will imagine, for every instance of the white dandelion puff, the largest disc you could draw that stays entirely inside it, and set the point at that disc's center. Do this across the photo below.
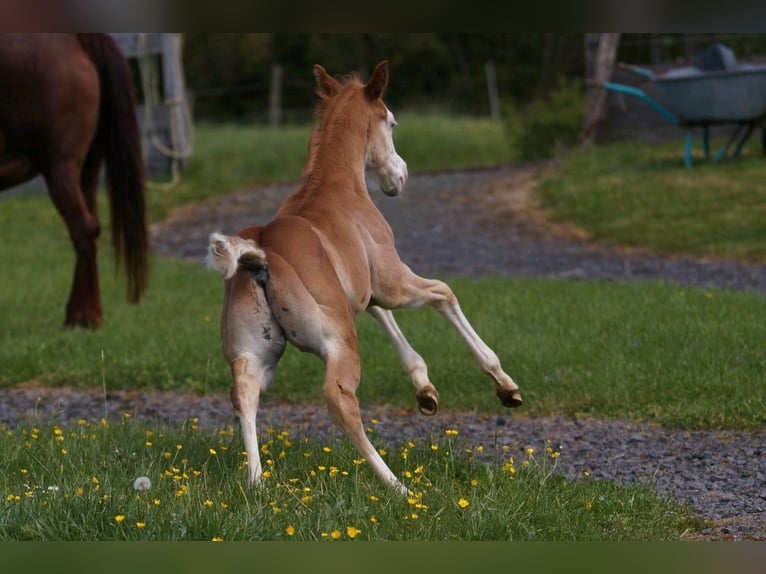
(142, 483)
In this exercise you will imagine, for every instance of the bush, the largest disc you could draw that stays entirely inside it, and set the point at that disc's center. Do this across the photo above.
(544, 126)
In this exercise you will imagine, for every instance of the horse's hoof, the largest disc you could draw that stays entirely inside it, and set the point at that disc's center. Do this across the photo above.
(82, 321)
(510, 398)
(428, 401)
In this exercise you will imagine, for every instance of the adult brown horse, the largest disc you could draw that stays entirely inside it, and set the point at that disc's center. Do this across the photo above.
(327, 257)
(66, 107)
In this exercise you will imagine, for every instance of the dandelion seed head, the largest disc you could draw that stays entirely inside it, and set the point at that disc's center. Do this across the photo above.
(142, 483)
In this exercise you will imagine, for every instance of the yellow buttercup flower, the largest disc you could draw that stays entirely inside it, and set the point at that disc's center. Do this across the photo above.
(335, 534)
(119, 518)
(352, 532)
(290, 530)
(463, 503)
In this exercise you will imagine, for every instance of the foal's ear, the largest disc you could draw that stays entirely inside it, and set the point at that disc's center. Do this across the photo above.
(376, 85)
(326, 84)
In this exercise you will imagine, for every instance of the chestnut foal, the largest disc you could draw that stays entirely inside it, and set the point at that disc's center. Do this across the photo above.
(327, 257)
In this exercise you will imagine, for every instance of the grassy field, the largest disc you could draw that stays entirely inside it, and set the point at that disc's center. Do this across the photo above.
(678, 356)
(641, 196)
(125, 481)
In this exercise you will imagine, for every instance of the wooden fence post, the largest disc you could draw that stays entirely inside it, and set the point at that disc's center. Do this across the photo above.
(494, 98)
(275, 97)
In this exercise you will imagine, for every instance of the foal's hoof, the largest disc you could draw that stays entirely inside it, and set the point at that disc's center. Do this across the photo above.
(428, 401)
(510, 398)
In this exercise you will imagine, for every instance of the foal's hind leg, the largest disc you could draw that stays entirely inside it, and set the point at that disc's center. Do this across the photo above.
(249, 377)
(415, 291)
(253, 343)
(84, 306)
(342, 375)
(412, 363)
(321, 322)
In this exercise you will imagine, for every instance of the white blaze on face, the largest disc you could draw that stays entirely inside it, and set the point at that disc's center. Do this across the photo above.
(384, 168)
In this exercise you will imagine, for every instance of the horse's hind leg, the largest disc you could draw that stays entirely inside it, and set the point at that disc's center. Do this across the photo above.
(415, 291)
(343, 371)
(253, 343)
(249, 377)
(412, 363)
(84, 305)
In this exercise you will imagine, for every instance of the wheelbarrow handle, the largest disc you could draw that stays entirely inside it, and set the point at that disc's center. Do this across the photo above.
(642, 95)
(638, 70)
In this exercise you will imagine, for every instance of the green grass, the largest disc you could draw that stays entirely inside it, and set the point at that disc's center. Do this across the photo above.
(641, 196)
(77, 483)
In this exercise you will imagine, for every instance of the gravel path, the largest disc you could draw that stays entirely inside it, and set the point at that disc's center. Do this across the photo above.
(473, 223)
(468, 223)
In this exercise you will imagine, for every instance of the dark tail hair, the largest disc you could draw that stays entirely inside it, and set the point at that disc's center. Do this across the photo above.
(119, 137)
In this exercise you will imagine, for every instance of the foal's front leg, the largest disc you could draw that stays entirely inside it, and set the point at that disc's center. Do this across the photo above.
(412, 363)
(416, 291)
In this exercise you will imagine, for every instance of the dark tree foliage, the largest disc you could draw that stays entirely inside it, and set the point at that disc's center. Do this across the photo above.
(230, 74)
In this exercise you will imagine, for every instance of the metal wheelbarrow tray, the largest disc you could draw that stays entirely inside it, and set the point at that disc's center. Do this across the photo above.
(697, 97)
(715, 97)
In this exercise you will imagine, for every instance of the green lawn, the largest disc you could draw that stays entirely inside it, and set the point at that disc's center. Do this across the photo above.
(79, 483)
(642, 196)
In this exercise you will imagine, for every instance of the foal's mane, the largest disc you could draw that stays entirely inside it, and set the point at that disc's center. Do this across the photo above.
(326, 102)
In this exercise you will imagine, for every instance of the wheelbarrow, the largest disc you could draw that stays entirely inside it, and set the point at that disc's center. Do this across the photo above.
(715, 90)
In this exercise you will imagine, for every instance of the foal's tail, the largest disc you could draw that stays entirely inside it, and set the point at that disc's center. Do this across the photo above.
(228, 253)
(118, 139)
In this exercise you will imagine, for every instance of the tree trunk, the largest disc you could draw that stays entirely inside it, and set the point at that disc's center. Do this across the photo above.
(595, 109)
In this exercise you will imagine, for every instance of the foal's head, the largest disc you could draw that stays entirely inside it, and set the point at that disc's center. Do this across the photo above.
(384, 168)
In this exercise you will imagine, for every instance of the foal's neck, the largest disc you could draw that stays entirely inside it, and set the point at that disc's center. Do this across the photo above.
(337, 157)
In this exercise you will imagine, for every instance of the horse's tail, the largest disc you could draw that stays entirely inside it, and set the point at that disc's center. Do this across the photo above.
(118, 139)
(227, 253)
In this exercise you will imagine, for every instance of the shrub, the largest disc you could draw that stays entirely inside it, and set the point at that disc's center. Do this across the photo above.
(544, 126)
